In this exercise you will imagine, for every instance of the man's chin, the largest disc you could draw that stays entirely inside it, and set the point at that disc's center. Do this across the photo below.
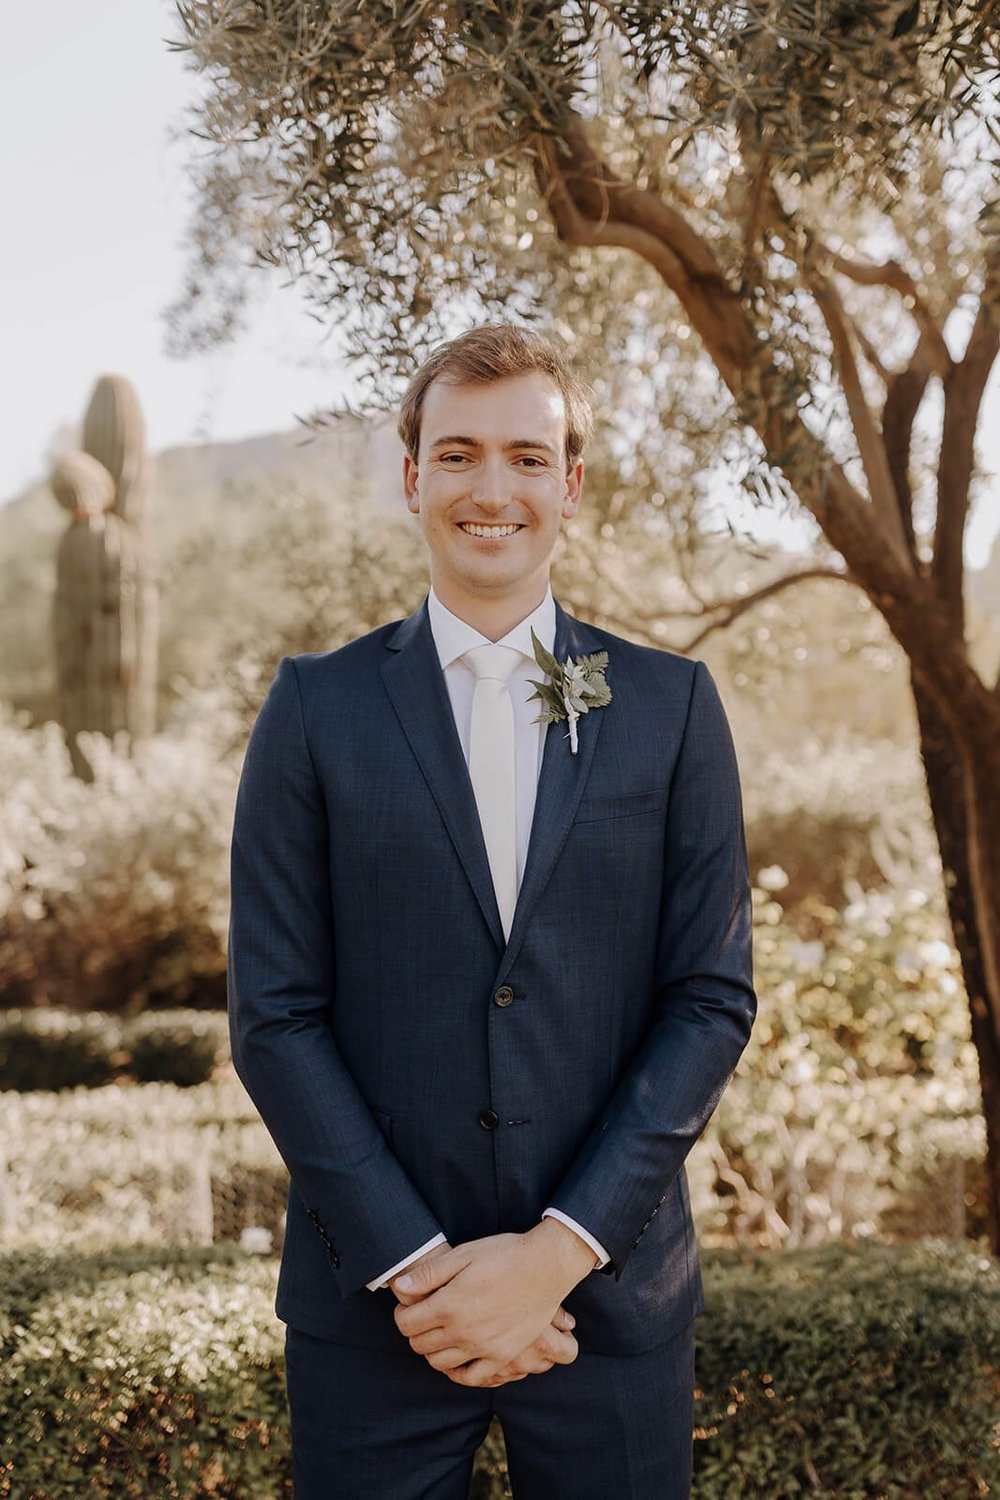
(498, 588)
(490, 579)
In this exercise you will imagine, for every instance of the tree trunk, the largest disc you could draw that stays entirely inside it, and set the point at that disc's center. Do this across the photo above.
(949, 791)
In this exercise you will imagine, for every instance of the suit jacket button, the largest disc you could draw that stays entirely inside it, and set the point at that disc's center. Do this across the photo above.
(504, 995)
(489, 1119)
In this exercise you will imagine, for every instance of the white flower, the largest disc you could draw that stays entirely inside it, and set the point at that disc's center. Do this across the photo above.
(256, 1239)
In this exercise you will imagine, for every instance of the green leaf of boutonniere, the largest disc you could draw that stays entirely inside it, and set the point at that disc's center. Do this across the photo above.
(572, 689)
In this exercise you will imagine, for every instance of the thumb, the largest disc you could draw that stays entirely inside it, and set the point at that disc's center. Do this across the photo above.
(427, 1275)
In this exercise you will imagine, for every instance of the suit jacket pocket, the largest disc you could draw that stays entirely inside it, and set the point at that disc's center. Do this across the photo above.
(626, 806)
(383, 1120)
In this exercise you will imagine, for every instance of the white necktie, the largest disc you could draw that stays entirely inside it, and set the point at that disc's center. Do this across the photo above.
(491, 768)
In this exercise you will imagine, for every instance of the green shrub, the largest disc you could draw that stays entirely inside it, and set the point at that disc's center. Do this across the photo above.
(864, 1374)
(49, 1048)
(130, 1376)
(137, 1164)
(57, 1049)
(843, 1375)
(176, 1046)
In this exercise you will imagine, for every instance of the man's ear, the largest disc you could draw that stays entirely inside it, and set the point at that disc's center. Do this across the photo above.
(574, 490)
(410, 481)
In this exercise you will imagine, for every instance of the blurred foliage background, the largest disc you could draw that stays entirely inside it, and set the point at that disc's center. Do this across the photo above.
(859, 1086)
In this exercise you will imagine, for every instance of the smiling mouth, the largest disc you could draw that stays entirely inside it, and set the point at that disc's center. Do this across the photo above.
(490, 533)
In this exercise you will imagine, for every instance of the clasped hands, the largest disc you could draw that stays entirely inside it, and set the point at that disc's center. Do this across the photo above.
(490, 1310)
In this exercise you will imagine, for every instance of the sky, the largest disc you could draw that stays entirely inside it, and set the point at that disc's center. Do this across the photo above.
(98, 208)
(92, 109)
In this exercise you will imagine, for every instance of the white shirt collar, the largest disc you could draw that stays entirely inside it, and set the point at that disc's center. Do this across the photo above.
(453, 636)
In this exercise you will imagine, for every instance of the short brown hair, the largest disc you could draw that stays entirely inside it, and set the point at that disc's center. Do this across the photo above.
(496, 351)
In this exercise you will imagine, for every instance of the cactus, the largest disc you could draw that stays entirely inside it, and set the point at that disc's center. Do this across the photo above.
(105, 609)
(115, 434)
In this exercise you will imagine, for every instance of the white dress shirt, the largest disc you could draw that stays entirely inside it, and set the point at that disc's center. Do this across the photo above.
(453, 637)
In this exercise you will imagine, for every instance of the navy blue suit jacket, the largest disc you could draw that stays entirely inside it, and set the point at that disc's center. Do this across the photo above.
(420, 1074)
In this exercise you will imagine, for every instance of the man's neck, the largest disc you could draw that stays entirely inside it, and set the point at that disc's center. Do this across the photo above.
(493, 618)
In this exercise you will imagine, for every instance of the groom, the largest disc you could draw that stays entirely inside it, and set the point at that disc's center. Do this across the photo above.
(488, 978)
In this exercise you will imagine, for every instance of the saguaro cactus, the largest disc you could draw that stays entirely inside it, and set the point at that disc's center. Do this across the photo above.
(105, 610)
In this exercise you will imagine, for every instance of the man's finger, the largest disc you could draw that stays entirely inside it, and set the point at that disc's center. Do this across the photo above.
(429, 1274)
(448, 1359)
(482, 1372)
(393, 1285)
(490, 1383)
(420, 1316)
(561, 1348)
(531, 1362)
(433, 1341)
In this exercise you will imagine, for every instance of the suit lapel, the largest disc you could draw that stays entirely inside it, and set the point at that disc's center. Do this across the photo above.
(415, 683)
(561, 781)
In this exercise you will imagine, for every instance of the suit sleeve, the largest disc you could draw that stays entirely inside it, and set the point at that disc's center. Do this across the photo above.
(281, 994)
(704, 1001)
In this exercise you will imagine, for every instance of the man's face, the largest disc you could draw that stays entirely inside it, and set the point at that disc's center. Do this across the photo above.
(492, 455)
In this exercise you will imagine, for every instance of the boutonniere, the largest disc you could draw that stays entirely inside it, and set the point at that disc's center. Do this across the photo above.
(572, 689)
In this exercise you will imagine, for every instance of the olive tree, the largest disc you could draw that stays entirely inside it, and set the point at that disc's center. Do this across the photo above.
(805, 193)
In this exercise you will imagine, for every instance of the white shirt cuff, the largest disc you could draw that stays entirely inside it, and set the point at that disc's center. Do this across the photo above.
(595, 1245)
(439, 1239)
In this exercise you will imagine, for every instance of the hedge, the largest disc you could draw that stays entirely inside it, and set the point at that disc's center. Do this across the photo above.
(865, 1373)
(893, 1157)
(136, 1164)
(838, 1373)
(64, 1049)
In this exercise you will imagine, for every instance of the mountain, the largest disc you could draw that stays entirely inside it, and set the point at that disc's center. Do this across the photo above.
(367, 453)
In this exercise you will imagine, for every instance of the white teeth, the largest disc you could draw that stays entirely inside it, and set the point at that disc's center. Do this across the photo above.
(488, 531)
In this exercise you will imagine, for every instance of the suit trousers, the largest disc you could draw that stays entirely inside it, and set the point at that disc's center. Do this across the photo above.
(368, 1424)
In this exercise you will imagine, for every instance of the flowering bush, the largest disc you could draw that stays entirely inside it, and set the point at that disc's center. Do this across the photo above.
(860, 1076)
(115, 893)
(858, 1090)
(854, 1111)
(838, 816)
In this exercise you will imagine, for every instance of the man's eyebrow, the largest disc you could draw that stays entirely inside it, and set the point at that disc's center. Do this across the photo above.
(471, 442)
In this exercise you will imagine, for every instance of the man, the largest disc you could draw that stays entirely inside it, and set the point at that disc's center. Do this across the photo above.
(488, 980)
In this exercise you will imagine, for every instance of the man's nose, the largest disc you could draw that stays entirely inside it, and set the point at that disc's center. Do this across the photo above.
(491, 482)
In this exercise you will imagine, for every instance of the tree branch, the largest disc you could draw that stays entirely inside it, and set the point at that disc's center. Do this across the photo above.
(963, 395)
(891, 274)
(904, 394)
(727, 610)
(588, 205)
(902, 402)
(869, 439)
(731, 609)
(871, 354)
